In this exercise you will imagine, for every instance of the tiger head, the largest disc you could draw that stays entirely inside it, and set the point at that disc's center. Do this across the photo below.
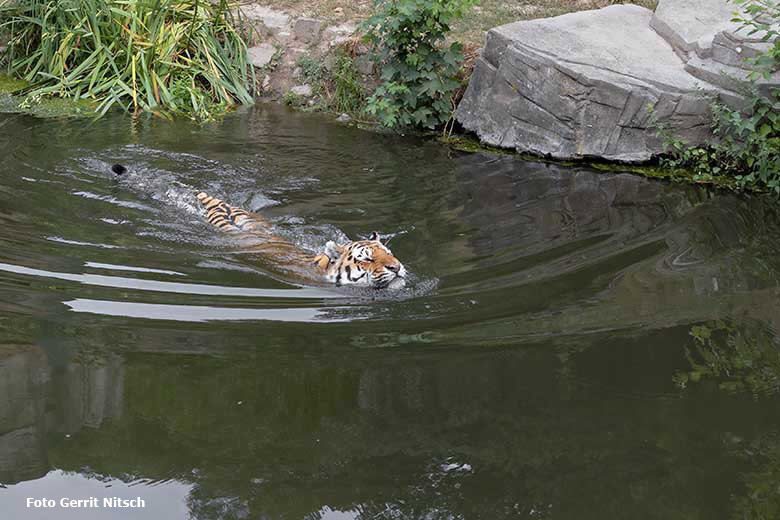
(365, 262)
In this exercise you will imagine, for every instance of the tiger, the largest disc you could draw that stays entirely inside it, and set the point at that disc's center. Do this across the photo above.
(366, 263)
(362, 263)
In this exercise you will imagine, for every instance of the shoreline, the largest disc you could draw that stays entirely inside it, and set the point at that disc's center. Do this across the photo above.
(293, 53)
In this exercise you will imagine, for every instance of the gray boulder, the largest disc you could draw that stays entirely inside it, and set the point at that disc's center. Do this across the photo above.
(600, 83)
(691, 25)
(266, 21)
(302, 90)
(338, 34)
(307, 30)
(261, 55)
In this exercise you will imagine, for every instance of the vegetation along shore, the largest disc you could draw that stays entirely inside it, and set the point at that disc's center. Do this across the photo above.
(402, 64)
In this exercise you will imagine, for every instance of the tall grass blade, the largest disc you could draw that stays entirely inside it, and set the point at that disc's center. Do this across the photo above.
(166, 56)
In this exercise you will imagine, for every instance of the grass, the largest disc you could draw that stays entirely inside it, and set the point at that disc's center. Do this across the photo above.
(470, 31)
(492, 13)
(161, 56)
(332, 11)
(338, 85)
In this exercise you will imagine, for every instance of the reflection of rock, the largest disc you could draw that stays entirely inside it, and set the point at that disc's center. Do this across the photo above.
(85, 394)
(23, 378)
(92, 393)
(537, 206)
(643, 254)
(24, 374)
(22, 455)
(423, 431)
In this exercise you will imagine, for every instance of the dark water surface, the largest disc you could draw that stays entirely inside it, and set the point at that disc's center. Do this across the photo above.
(539, 365)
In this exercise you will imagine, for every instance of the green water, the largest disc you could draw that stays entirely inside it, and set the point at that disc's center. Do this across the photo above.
(527, 371)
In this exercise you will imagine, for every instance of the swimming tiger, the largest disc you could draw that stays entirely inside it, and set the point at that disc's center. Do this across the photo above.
(367, 263)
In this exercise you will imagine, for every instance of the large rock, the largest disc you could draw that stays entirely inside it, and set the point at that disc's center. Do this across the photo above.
(339, 34)
(266, 21)
(302, 90)
(691, 25)
(600, 83)
(261, 55)
(307, 30)
(580, 85)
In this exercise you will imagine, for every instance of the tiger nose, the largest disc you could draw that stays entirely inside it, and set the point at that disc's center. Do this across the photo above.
(398, 269)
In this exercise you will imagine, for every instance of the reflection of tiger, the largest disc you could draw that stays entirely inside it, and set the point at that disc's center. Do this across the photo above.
(365, 262)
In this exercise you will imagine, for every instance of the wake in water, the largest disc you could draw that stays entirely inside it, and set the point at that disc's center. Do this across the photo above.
(170, 189)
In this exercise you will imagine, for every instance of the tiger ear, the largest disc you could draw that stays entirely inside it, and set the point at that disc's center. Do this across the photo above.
(376, 236)
(332, 250)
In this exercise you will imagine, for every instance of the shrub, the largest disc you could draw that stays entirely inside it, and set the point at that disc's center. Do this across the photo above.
(761, 16)
(162, 56)
(339, 86)
(418, 70)
(748, 142)
(291, 99)
(349, 94)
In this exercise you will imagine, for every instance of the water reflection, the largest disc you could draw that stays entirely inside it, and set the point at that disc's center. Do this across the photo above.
(37, 401)
(485, 434)
(198, 313)
(581, 252)
(527, 372)
(739, 356)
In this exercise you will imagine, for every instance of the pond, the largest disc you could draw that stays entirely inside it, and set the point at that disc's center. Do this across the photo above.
(539, 363)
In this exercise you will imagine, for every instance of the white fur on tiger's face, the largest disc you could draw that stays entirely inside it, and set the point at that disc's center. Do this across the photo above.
(365, 262)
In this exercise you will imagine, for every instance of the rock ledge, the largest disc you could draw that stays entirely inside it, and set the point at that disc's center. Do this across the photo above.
(598, 83)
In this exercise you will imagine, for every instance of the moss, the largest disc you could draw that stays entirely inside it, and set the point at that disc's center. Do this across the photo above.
(669, 174)
(9, 85)
(45, 107)
(291, 99)
(470, 145)
(58, 107)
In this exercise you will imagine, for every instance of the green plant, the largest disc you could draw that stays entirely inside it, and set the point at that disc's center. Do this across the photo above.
(339, 86)
(313, 70)
(760, 17)
(747, 148)
(291, 99)
(162, 56)
(3, 47)
(275, 59)
(349, 93)
(418, 70)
